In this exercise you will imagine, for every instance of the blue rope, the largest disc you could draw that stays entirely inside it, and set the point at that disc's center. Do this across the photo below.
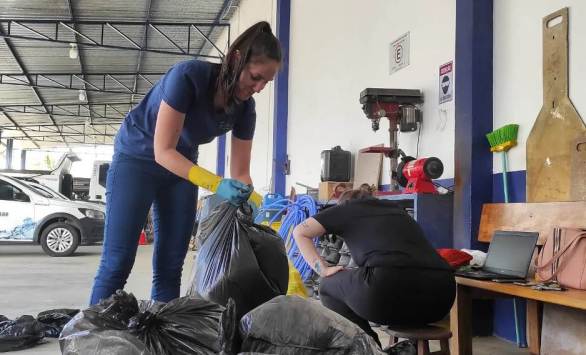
(296, 213)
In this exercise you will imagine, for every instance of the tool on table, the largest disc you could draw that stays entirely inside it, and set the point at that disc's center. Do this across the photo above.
(548, 286)
(401, 108)
(558, 124)
(415, 175)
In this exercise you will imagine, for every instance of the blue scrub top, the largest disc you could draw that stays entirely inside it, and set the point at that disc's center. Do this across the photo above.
(188, 87)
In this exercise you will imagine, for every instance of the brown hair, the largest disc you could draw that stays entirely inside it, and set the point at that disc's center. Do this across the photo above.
(364, 192)
(256, 41)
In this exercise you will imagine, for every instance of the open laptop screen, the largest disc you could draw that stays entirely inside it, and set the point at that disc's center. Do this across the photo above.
(510, 253)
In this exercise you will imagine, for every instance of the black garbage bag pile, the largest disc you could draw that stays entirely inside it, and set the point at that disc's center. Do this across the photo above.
(54, 320)
(26, 331)
(293, 325)
(21, 333)
(122, 325)
(238, 259)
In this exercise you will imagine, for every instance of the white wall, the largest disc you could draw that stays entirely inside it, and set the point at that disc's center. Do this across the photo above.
(518, 59)
(338, 49)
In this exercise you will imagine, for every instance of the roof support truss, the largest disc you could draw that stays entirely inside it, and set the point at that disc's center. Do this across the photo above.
(54, 31)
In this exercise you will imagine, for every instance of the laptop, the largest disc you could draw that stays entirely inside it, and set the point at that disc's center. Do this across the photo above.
(508, 257)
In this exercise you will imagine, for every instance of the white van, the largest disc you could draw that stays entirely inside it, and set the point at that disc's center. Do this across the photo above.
(34, 213)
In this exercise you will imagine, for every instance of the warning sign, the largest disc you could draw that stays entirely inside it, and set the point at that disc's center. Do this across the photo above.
(399, 53)
(446, 82)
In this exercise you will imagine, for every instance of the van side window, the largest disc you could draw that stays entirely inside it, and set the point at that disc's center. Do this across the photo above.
(103, 173)
(9, 192)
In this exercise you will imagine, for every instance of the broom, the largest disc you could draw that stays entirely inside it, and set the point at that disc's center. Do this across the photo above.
(501, 140)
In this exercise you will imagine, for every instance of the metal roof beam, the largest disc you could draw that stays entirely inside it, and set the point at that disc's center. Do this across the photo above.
(17, 126)
(47, 34)
(219, 16)
(28, 127)
(24, 71)
(80, 55)
(69, 110)
(145, 41)
(78, 81)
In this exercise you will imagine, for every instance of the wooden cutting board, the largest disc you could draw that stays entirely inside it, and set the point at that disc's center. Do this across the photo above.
(558, 125)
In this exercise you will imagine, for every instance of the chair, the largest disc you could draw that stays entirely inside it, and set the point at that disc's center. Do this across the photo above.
(421, 336)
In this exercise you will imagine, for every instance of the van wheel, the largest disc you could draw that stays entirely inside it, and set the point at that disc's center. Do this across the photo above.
(60, 239)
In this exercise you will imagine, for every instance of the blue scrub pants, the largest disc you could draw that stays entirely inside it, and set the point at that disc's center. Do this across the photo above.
(132, 186)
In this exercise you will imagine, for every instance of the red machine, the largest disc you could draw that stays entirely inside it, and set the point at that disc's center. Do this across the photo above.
(415, 175)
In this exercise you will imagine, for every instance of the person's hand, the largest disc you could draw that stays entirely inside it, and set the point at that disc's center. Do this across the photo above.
(234, 191)
(331, 270)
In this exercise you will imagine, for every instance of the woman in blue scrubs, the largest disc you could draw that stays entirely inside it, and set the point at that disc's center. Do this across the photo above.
(155, 158)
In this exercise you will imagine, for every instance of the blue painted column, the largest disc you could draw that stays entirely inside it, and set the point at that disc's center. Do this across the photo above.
(473, 102)
(221, 158)
(281, 111)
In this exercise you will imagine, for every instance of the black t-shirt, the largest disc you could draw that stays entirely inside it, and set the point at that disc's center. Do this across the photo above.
(381, 233)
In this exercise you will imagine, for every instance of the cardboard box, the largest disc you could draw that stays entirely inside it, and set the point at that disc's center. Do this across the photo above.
(331, 190)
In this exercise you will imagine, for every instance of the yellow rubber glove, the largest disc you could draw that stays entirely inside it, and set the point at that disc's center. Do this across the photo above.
(255, 198)
(209, 181)
(203, 178)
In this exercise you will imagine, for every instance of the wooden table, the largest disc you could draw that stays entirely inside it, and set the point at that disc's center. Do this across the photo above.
(467, 289)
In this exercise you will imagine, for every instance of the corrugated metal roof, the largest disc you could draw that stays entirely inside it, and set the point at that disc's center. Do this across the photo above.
(39, 57)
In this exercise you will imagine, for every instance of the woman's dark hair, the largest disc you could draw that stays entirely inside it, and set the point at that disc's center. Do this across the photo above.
(258, 41)
(363, 193)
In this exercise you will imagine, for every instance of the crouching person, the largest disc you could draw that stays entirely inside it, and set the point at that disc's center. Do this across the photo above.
(400, 279)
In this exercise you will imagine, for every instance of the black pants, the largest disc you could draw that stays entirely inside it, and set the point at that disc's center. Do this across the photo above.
(389, 296)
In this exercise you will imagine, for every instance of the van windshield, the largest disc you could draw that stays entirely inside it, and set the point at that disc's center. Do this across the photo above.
(41, 192)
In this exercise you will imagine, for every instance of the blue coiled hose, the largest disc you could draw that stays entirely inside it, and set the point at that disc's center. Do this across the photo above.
(296, 213)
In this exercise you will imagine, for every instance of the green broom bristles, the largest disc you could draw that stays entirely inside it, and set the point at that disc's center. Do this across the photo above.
(503, 138)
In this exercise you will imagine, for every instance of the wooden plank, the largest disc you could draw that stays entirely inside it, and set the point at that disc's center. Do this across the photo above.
(569, 298)
(368, 169)
(461, 322)
(549, 143)
(578, 178)
(534, 309)
(530, 217)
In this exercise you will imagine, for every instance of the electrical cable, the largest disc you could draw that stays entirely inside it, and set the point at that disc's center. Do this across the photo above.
(295, 212)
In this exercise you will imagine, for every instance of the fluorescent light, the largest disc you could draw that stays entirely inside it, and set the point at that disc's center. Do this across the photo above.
(73, 51)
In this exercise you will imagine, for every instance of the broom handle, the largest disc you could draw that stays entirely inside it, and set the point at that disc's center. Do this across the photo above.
(505, 183)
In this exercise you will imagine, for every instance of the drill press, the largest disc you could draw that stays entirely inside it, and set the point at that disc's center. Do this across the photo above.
(401, 108)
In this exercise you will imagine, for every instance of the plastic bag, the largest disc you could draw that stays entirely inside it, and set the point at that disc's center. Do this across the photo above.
(239, 260)
(183, 326)
(120, 325)
(296, 286)
(53, 320)
(292, 325)
(21, 333)
(405, 347)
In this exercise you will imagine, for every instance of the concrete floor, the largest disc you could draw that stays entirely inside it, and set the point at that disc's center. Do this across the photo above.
(31, 282)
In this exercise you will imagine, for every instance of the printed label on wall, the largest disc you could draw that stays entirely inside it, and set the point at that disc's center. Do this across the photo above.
(446, 82)
(399, 53)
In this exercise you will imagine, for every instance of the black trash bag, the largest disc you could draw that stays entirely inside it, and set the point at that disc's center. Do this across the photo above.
(185, 325)
(121, 326)
(405, 347)
(53, 320)
(21, 333)
(102, 329)
(293, 325)
(239, 259)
